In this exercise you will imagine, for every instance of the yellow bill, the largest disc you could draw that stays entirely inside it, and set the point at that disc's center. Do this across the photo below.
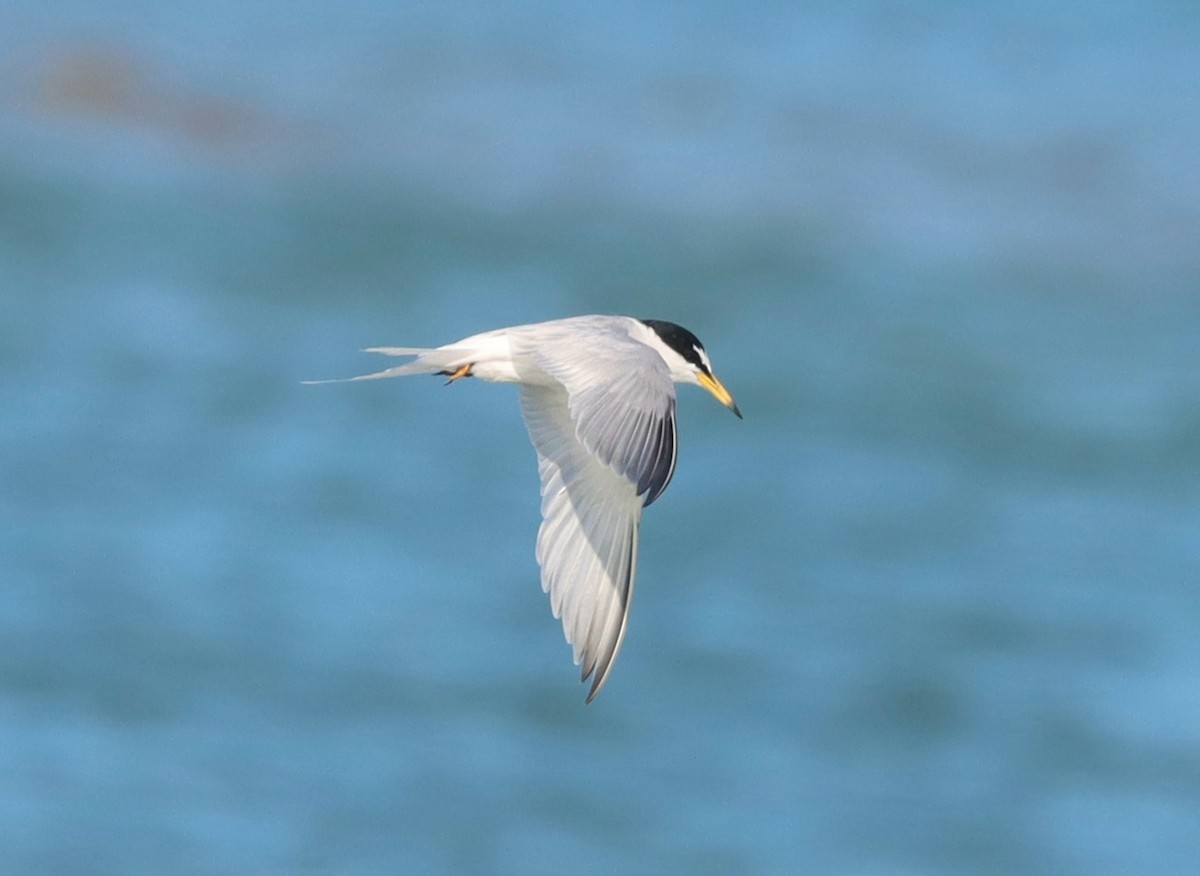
(720, 393)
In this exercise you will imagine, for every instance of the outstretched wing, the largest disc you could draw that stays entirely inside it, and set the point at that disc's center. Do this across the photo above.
(604, 431)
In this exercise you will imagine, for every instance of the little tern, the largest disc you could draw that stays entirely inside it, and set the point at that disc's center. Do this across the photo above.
(598, 397)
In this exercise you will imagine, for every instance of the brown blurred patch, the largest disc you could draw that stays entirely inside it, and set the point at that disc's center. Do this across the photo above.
(112, 86)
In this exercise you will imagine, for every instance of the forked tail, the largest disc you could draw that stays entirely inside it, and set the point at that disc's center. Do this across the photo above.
(427, 361)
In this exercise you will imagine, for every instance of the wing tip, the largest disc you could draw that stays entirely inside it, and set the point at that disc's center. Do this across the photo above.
(604, 663)
(598, 674)
(602, 669)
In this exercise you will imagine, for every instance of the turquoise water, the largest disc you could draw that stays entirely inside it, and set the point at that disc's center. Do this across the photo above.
(931, 609)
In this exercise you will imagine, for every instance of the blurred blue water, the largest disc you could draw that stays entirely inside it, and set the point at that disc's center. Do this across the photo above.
(930, 609)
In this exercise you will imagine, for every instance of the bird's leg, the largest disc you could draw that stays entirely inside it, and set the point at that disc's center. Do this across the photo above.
(458, 373)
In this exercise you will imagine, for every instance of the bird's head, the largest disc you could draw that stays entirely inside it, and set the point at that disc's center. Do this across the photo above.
(687, 359)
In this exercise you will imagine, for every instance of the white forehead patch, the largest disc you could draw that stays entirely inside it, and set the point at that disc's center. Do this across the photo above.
(703, 356)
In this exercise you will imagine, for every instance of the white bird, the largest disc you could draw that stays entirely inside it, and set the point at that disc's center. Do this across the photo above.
(598, 399)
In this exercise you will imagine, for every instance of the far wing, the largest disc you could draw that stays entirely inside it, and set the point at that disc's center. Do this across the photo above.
(620, 397)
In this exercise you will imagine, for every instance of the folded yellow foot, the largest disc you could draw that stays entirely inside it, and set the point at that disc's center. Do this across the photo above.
(459, 373)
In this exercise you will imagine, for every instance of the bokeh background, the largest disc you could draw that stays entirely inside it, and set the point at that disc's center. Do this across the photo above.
(931, 609)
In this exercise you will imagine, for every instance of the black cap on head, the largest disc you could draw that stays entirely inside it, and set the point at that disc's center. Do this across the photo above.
(680, 340)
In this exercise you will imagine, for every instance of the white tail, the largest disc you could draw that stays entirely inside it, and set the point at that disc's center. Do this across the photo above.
(428, 361)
